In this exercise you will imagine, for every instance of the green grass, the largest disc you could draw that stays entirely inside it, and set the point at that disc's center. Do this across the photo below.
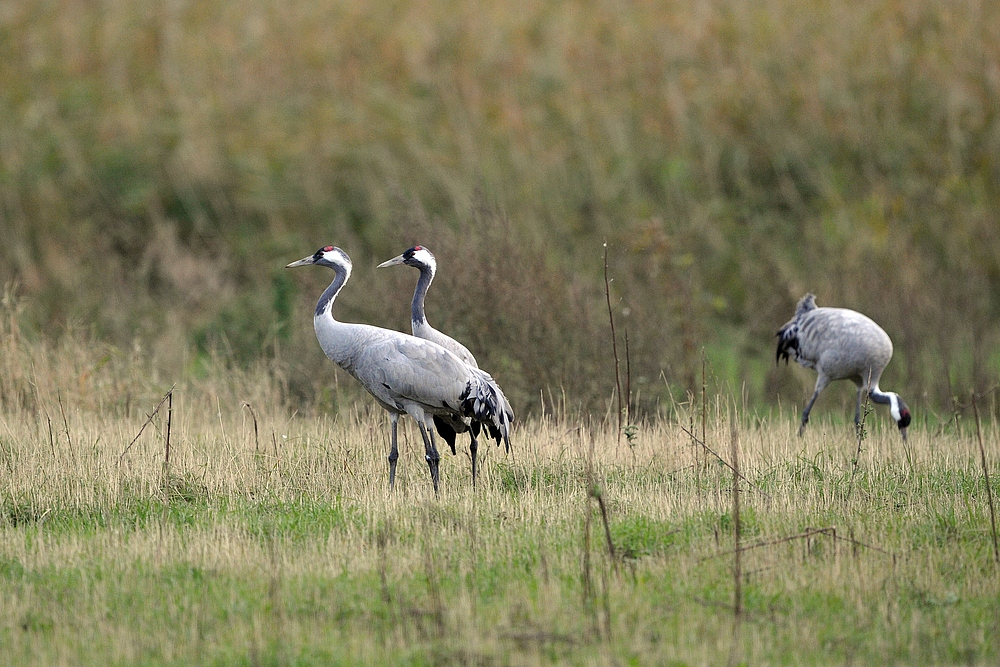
(241, 557)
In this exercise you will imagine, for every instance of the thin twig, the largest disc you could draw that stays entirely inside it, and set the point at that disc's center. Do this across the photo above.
(149, 419)
(595, 492)
(829, 531)
(860, 428)
(986, 479)
(737, 564)
(628, 380)
(723, 461)
(614, 339)
(587, 582)
(960, 407)
(775, 541)
(166, 446)
(65, 421)
(704, 401)
(256, 439)
(737, 551)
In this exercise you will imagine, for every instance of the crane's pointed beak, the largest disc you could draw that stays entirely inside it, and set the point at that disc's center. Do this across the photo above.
(392, 262)
(902, 432)
(302, 262)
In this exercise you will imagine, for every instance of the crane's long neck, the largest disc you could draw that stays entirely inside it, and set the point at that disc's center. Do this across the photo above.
(417, 306)
(889, 398)
(336, 338)
(325, 304)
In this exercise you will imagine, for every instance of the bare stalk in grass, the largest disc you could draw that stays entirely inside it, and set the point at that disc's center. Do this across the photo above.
(606, 602)
(62, 411)
(986, 480)
(829, 531)
(587, 582)
(614, 339)
(253, 415)
(709, 450)
(861, 433)
(628, 380)
(737, 551)
(596, 493)
(166, 444)
(704, 401)
(149, 419)
(694, 440)
(588, 586)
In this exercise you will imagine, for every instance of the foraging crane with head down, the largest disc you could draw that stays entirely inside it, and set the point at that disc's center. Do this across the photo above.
(841, 344)
(423, 259)
(405, 374)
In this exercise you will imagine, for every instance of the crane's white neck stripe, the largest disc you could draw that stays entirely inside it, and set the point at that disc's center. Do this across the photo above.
(894, 406)
(423, 255)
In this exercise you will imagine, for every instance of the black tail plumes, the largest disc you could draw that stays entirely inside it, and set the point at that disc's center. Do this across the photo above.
(788, 343)
(486, 404)
(788, 335)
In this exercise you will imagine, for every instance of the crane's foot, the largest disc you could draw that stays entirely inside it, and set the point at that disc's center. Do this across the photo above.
(392, 470)
(473, 448)
(435, 466)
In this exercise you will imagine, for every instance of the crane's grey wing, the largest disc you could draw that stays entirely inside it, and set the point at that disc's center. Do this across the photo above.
(402, 368)
(427, 332)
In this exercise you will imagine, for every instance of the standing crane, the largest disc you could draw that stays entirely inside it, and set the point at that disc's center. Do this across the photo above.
(405, 374)
(841, 344)
(421, 258)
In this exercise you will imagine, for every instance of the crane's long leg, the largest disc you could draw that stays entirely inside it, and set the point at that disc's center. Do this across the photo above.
(821, 383)
(394, 452)
(473, 448)
(431, 454)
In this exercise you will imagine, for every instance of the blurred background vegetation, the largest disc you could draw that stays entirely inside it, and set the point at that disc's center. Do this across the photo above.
(161, 161)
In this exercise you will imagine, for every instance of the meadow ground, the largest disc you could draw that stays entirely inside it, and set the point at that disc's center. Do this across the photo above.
(271, 538)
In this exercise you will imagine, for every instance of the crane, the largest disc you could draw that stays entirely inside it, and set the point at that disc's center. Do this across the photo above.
(840, 344)
(403, 373)
(423, 259)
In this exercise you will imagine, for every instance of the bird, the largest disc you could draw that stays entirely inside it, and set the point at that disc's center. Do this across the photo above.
(840, 344)
(405, 374)
(420, 257)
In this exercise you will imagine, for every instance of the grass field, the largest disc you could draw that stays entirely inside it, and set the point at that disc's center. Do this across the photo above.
(159, 166)
(271, 537)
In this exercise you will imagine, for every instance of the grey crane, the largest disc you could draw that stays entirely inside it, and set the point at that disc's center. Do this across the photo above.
(423, 259)
(840, 344)
(405, 374)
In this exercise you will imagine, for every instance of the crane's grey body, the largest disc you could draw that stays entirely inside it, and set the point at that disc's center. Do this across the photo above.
(405, 374)
(841, 344)
(447, 426)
